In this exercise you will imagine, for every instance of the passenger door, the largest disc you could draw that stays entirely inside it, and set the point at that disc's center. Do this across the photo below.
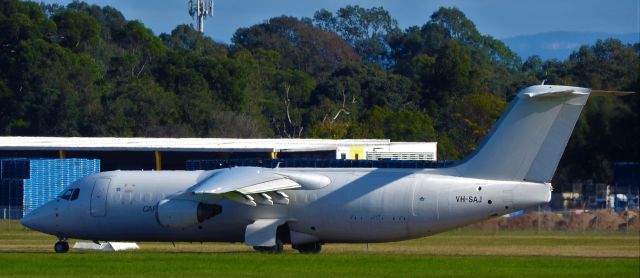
(99, 197)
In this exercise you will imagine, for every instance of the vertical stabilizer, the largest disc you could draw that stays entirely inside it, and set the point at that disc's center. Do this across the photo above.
(528, 140)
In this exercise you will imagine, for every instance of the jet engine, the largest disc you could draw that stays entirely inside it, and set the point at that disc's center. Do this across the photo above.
(172, 213)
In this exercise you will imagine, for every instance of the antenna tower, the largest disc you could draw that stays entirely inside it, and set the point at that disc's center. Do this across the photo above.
(200, 9)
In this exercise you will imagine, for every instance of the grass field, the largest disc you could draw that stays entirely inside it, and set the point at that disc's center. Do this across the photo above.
(456, 253)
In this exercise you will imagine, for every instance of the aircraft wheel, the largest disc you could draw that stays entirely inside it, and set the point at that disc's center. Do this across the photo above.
(309, 248)
(61, 247)
(270, 249)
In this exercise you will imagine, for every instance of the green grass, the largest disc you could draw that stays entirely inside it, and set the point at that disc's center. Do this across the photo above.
(295, 265)
(463, 252)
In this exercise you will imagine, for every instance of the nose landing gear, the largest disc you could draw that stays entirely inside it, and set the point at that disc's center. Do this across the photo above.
(61, 246)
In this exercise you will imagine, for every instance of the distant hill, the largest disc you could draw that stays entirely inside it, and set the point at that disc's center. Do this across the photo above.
(559, 45)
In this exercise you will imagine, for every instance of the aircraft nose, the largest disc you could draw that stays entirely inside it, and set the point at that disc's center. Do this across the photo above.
(28, 221)
(41, 219)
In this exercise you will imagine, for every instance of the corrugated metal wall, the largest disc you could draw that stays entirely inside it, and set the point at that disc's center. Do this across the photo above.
(25, 184)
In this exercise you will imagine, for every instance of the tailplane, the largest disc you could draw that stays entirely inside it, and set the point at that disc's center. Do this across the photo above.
(528, 140)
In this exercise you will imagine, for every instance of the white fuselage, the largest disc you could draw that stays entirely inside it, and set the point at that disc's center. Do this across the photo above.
(359, 205)
(509, 171)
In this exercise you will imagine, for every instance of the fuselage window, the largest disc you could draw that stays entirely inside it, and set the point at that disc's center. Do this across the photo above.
(75, 194)
(67, 194)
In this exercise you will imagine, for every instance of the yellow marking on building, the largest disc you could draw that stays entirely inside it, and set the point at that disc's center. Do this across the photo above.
(158, 161)
(61, 154)
(274, 155)
(356, 153)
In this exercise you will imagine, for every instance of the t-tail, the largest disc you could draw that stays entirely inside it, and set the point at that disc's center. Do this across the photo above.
(527, 142)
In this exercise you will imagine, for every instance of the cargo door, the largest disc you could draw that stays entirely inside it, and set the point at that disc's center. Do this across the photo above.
(99, 197)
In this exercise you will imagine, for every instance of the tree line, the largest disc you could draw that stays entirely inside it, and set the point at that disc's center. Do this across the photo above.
(85, 70)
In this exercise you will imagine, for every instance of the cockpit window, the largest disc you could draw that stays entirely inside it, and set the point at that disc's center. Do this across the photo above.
(67, 194)
(70, 194)
(75, 194)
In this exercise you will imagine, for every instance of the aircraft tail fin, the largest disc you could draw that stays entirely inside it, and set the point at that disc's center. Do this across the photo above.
(529, 139)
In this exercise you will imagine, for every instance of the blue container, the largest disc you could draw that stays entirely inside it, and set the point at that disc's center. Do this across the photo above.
(48, 177)
(14, 168)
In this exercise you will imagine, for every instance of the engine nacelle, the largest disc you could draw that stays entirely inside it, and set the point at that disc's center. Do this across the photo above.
(184, 213)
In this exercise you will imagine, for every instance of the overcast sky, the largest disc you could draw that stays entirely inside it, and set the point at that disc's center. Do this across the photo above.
(498, 18)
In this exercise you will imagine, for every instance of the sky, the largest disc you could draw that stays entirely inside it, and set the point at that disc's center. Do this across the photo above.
(498, 18)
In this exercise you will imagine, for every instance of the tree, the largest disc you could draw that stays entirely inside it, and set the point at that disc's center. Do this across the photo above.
(185, 37)
(86, 70)
(461, 53)
(111, 20)
(301, 45)
(9, 122)
(55, 89)
(354, 88)
(453, 72)
(607, 64)
(401, 125)
(470, 119)
(75, 28)
(142, 48)
(286, 111)
(607, 128)
(366, 86)
(141, 108)
(227, 79)
(367, 30)
(22, 21)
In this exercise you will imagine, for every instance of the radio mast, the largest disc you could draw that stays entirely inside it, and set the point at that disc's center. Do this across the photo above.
(200, 9)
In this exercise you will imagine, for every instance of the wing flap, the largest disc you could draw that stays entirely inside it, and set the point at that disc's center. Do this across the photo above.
(246, 180)
(254, 186)
(269, 186)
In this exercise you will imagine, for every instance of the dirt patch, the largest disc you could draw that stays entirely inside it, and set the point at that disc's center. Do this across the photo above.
(600, 220)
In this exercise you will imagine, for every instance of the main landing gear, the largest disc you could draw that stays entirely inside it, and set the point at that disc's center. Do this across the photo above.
(308, 248)
(283, 236)
(61, 246)
(271, 249)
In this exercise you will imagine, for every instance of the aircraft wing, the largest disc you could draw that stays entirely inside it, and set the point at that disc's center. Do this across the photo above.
(254, 185)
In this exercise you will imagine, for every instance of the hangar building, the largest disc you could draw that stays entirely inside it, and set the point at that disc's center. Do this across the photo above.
(173, 153)
(34, 170)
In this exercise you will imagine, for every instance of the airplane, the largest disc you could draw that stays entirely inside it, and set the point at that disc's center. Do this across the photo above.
(307, 207)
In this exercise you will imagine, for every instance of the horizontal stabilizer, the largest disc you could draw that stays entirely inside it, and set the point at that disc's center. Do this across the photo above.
(601, 93)
(547, 94)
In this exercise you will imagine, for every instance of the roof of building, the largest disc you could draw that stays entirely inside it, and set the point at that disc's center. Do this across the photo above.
(181, 144)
